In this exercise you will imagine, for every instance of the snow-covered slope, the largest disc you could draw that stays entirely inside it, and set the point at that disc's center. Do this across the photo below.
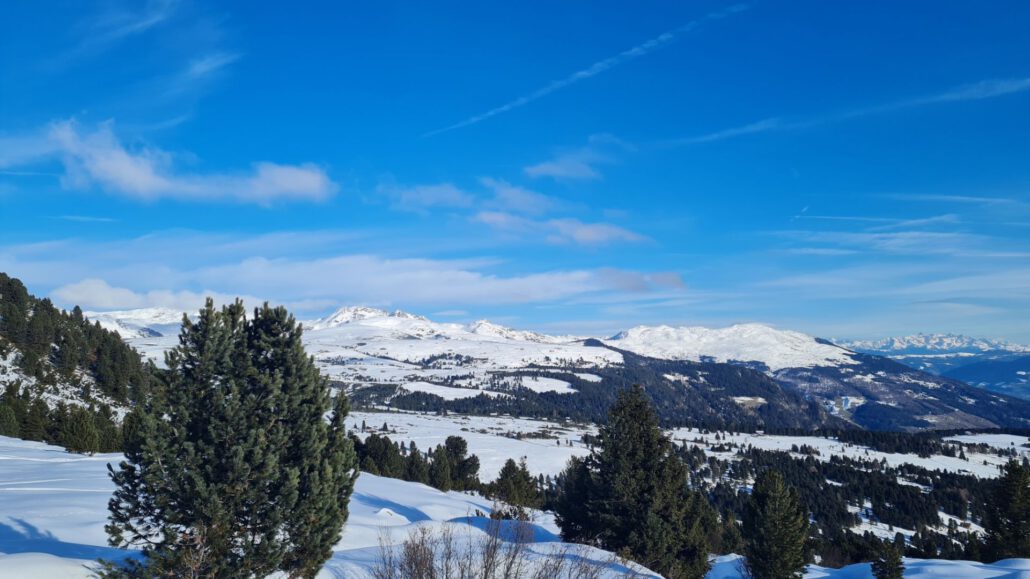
(53, 507)
(774, 348)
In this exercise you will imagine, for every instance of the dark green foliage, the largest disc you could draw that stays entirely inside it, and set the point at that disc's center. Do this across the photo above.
(731, 540)
(464, 468)
(1008, 514)
(380, 456)
(440, 475)
(79, 433)
(416, 467)
(516, 487)
(632, 497)
(447, 467)
(36, 423)
(776, 530)
(231, 469)
(9, 425)
(888, 563)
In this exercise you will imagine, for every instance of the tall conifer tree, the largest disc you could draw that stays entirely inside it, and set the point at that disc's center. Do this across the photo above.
(631, 496)
(776, 530)
(231, 469)
(1008, 515)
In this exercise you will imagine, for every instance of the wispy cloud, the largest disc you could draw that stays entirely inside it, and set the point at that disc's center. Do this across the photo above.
(98, 159)
(594, 69)
(581, 163)
(517, 199)
(421, 198)
(1009, 202)
(102, 32)
(762, 126)
(210, 63)
(85, 218)
(558, 231)
(173, 270)
(982, 90)
(887, 223)
(946, 219)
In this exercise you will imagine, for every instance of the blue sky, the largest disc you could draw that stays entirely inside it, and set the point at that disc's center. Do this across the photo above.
(835, 168)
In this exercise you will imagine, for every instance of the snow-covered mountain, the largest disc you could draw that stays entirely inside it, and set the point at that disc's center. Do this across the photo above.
(929, 344)
(402, 358)
(349, 314)
(140, 323)
(776, 349)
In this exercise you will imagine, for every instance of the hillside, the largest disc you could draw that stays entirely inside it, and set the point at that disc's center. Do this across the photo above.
(57, 367)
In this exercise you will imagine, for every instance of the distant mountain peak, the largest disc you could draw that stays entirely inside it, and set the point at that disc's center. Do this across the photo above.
(934, 343)
(489, 329)
(348, 314)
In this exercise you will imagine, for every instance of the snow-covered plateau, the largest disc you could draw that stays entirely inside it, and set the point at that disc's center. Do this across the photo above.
(53, 507)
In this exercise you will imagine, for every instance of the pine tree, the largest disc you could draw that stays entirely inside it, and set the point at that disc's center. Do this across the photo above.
(516, 487)
(36, 422)
(575, 491)
(79, 433)
(730, 538)
(231, 469)
(9, 425)
(464, 469)
(440, 470)
(416, 467)
(1008, 515)
(632, 495)
(888, 563)
(776, 530)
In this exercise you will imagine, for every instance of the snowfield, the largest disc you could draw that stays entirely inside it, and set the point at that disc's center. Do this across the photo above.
(777, 349)
(491, 438)
(53, 507)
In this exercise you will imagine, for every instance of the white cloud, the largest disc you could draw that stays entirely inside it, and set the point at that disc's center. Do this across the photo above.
(558, 231)
(518, 199)
(97, 294)
(568, 166)
(576, 231)
(178, 269)
(581, 163)
(419, 198)
(99, 158)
